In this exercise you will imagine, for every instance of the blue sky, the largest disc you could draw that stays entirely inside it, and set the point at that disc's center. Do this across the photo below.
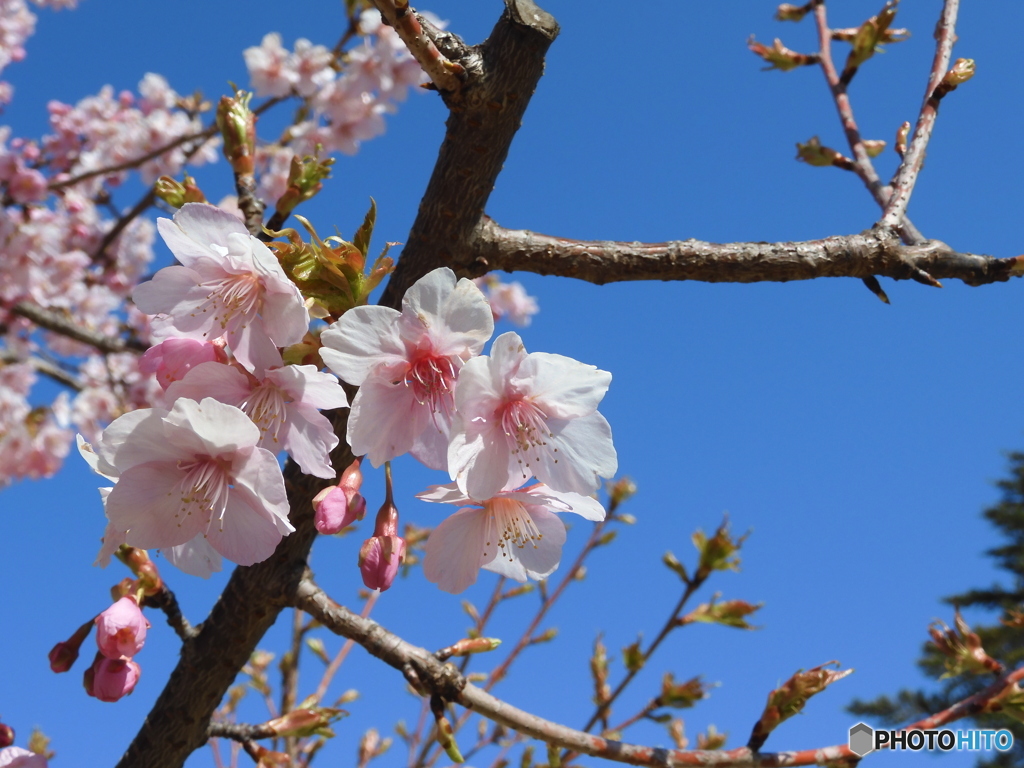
(858, 442)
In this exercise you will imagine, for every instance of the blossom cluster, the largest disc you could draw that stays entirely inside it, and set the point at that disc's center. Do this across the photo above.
(493, 422)
(64, 254)
(347, 98)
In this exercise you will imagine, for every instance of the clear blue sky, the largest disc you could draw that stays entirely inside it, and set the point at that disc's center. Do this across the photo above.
(858, 441)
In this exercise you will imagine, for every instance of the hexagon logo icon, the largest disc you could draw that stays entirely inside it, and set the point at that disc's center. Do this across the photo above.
(862, 739)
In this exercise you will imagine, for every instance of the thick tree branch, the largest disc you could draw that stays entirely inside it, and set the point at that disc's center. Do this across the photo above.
(502, 74)
(599, 261)
(446, 75)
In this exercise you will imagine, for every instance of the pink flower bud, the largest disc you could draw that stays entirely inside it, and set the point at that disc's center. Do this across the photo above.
(379, 560)
(64, 654)
(110, 679)
(121, 629)
(6, 735)
(170, 360)
(340, 505)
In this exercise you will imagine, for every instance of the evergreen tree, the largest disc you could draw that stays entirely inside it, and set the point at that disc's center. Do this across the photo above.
(1002, 640)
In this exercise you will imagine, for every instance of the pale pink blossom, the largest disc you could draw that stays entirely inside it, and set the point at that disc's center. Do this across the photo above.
(16, 757)
(312, 66)
(508, 300)
(121, 629)
(514, 533)
(194, 470)
(406, 365)
(285, 404)
(229, 286)
(27, 185)
(171, 359)
(522, 415)
(111, 679)
(271, 68)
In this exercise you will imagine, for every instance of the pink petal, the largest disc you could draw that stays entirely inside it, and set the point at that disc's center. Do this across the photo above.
(135, 438)
(586, 507)
(258, 480)
(385, 420)
(564, 388)
(195, 227)
(309, 438)
(174, 290)
(195, 557)
(223, 383)
(146, 504)
(311, 386)
(444, 494)
(478, 459)
(364, 338)
(456, 550)
(584, 455)
(246, 535)
(209, 427)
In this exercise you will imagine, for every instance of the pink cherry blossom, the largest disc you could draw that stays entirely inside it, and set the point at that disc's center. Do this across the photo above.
(121, 629)
(285, 405)
(514, 533)
(194, 470)
(522, 415)
(111, 679)
(508, 300)
(16, 757)
(271, 69)
(406, 365)
(229, 286)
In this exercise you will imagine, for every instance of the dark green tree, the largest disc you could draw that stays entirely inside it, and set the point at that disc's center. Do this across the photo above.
(1003, 640)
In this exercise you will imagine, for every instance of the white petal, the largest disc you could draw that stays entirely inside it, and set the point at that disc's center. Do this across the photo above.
(385, 420)
(478, 459)
(195, 227)
(476, 394)
(455, 550)
(444, 494)
(136, 437)
(310, 386)
(430, 447)
(507, 354)
(538, 558)
(309, 438)
(580, 454)
(195, 557)
(245, 536)
(455, 316)
(146, 504)
(223, 383)
(259, 482)
(285, 316)
(564, 388)
(427, 296)
(173, 289)
(364, 338)
(565, 501)
(252, 345)
(209, 427)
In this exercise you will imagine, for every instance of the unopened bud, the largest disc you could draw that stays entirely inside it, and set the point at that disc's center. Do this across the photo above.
(681, 695)
(961, 72)
(64, 654)
(789, 12)
(874, 147)
(6, 735)
(544, 637)
(817, 154)
(712, 739)
(791, 697)
(467, 646)
(305, 180)
(306, 722)
(621, 490)
(901, 138)
(781, 57)
(237, 125)
(633, 657)
(673, 563)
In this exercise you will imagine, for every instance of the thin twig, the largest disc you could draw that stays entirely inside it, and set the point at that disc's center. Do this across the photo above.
(166, 601)
(240, 731)
(913, 158)
(339, 659)
(445, 681)
(45, 367)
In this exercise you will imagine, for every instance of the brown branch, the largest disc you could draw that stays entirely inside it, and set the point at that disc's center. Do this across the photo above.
(45, 367)
(166, 601)
(862, 164)
(503, 72)
(240, 731)
(339, 659)
(600, 261)
(913, 158)
(444, 680)
(446, 75)
(52, 321)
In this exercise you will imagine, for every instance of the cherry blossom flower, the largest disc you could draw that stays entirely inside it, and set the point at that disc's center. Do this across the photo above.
(514, 533)
(111, 679)
(16, 757)
(508, 300)
(522, 415)
(284, 405)
(121, 629)
(194, 470)
(230, 286)
(406, 365)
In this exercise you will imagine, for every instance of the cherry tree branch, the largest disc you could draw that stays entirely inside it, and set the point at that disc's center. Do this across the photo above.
(45, 367)
(429, 674)
(913, 158)
(602, 261)
(166, 601)
(52, 321)
(419, 37)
